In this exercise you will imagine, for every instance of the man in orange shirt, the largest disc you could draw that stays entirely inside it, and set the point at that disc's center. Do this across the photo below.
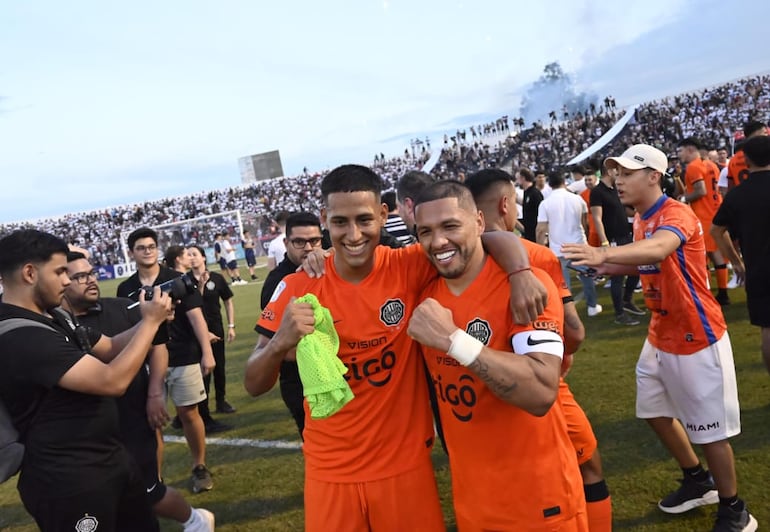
(593, 236)
(367, 467)
(494, 194)
(701, 179)
(685, 376)
(737, 170)
(513, 465)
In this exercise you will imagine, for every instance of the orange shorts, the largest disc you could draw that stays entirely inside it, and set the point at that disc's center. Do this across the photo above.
(408, 501)
(708, 240)
(578, 523)
(578, 427)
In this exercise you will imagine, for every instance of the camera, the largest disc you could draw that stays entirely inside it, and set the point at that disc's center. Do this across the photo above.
(176, 288)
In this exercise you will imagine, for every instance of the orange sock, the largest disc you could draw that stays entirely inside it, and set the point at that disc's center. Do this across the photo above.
(721, 272)
(599, 507)
(600, 515)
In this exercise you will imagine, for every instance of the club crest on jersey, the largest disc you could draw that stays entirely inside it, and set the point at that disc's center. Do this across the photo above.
(86, 523)
(392, 312)
(210, 285)
(480, 330)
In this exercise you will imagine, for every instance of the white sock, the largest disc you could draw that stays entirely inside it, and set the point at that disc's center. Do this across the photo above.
(194, 518)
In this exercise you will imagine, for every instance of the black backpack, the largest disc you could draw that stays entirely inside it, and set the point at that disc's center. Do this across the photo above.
(11, 449)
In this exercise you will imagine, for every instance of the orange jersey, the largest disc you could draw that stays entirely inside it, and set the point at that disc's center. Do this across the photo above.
(387, 429)
(542, 257)
(707, 206)
(737, 170)
(685, 316)
(579, 429)
(510, 470)
(593, 236)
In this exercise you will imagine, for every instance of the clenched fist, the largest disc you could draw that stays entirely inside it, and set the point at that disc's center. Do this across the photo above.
(297, 321)
(431, 324)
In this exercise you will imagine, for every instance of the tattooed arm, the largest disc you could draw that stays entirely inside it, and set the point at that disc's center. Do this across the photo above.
(524, 378)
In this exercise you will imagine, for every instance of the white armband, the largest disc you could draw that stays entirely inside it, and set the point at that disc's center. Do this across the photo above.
(538, 341)
(464, 348)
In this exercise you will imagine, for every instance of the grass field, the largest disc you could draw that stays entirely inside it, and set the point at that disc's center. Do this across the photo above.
(261, 489)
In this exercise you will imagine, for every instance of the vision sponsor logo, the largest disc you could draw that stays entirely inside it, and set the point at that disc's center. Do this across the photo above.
(447, 361)
(461, 396)
(268, 314)
(480, 330)
(392, 312)
(376, 370)
(366, 344)
(694, 427)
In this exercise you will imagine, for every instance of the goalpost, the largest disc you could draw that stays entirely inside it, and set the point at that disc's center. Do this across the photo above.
(199, 230)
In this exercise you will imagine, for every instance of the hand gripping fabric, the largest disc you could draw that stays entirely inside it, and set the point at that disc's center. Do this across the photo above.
(320, 370)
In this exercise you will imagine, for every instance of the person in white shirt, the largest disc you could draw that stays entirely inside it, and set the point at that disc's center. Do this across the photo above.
(277, 248)
(228, 253)
(562, 218)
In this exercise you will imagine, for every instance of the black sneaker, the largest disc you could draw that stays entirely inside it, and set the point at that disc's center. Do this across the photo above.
(176, 423)
(213, 426)
(201, 479)
(223, 407)
(690, 494)
(729, 520)
(253, 277)
(625, 319)
(629, 307)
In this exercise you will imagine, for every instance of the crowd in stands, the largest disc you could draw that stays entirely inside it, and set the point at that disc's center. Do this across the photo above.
(712, 114)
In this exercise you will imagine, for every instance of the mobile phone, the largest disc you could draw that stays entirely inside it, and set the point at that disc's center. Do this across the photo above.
(583, 270)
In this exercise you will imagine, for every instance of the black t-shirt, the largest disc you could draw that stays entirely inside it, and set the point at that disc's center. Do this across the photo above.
(284, 268)
(111, 316)
(745, 213)
(183, 347)
(72, 439)
(530, 203)
(216, 288)
(614, 218)
(289, 374)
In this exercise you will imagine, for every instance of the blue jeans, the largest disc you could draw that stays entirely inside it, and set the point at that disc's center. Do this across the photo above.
(589, 289)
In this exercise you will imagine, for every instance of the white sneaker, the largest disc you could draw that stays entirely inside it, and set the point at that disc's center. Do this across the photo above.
(733, 283)
(593, 311)
(203, 522)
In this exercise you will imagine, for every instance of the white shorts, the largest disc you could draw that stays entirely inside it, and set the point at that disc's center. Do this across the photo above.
(185, 385)
(698, 389)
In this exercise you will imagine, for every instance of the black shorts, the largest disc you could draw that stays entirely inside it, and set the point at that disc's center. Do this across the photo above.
(292, 393)
(144, 453)
(233, 265)
(118, 504)
(759, 310)
(251, 260)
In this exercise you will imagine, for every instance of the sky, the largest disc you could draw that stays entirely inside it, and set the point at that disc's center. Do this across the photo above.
(105, 103)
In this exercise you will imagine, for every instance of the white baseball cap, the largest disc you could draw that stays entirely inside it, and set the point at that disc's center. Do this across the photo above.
(640, 156)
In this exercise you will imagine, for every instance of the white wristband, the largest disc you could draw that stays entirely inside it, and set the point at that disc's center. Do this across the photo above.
(464, 347)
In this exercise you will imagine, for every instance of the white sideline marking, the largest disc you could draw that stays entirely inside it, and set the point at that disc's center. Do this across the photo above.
(241, 442)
